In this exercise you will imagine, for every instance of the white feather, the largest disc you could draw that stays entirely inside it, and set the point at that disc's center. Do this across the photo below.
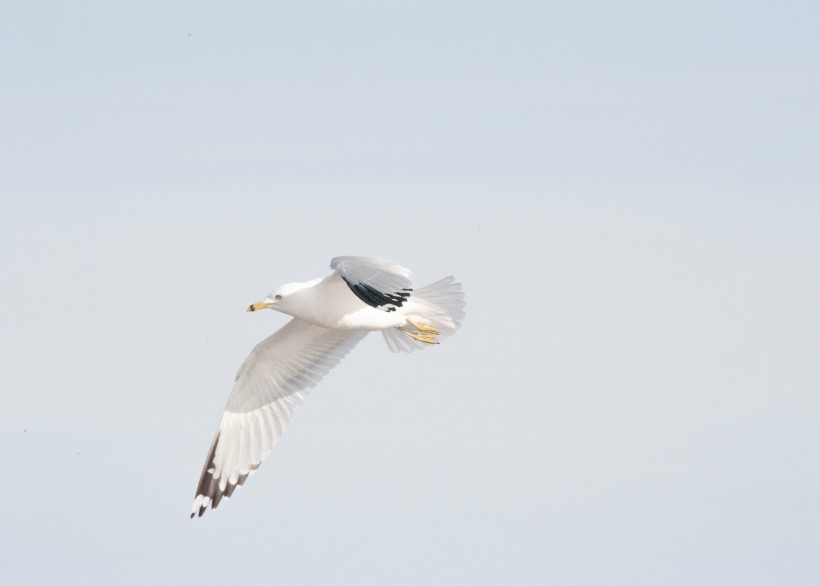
(269, 384)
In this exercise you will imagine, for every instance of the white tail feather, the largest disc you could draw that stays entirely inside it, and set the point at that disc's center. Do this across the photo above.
(439, 305)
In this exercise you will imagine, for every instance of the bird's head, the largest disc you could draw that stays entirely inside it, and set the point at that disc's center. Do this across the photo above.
(279, 299)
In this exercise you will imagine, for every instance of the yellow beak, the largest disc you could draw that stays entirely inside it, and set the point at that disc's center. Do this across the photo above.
(259, 305)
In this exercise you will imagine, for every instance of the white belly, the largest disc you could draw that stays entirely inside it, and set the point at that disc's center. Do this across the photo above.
(332, 304)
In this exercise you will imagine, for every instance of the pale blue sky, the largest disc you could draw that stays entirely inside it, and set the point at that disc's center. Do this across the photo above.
(628, 191)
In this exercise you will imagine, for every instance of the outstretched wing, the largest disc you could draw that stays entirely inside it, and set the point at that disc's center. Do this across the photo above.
(269, 384)
(378, 282)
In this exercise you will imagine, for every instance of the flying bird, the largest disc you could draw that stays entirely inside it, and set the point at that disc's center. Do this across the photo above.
(331, 315)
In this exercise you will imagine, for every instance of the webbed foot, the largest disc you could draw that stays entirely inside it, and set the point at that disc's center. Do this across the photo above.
(421, 337)
(423, 327)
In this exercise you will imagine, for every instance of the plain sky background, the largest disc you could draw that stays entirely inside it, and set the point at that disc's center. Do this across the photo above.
(629, 191)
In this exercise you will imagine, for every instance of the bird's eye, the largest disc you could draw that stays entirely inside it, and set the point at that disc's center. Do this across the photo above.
(277, 297)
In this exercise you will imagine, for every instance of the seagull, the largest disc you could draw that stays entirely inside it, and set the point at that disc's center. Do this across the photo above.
(331, 315)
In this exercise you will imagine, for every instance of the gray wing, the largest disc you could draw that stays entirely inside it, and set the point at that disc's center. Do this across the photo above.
(376, 281)
(270, 383)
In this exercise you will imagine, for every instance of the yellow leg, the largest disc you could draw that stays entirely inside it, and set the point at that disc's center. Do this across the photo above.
(423, 328)
(426, 338)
